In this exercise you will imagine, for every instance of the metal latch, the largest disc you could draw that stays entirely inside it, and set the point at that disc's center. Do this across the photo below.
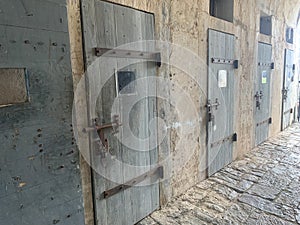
(115, 124)
(210, 106)
(258, 96)
(285, 94)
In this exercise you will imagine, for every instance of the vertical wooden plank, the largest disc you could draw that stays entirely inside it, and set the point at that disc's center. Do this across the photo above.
(89, 30)
(108, 210)
(152, 109)
(123, 25)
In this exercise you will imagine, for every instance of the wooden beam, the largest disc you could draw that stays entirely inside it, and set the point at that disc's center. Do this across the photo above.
(76, 46)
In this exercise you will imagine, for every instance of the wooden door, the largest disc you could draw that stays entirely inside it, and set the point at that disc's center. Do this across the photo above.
(221, 100)
(288, 76)
(262, 115)
(125, 171)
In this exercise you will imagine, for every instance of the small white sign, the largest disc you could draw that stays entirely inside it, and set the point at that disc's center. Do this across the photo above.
(222, 78)
(264, 77)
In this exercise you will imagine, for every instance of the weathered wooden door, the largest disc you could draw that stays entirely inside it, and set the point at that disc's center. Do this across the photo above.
(221, 100)
(288, 76)
(124, 159)
(262, 96)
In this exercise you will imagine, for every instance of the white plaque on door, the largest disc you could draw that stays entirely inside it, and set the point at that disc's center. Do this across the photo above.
(222, 78)
(264, 77)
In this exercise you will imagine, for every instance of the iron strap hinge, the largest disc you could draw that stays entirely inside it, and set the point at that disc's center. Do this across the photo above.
(122, 53)
(158, 171)
(271, 65)
(268, 121)
(231, 138)
(233, 62)
(288, 111)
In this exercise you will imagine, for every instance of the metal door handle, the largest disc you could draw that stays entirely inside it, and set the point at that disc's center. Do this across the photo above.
(285, 93)
(258, 96)
(210, 106)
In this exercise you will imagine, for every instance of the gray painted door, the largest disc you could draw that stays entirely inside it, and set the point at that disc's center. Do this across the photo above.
(262, 93)
(288, 76)
(121, 155)
(220, 106)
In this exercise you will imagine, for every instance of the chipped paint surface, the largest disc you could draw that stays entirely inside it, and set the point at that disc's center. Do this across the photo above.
(39, 175)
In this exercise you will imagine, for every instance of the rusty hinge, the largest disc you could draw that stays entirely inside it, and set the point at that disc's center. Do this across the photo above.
(158, 171)
(122, 53)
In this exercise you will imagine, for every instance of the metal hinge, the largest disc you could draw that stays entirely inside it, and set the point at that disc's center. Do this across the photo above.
(231, 138)
(122, 53)
(271, 65)
(268, 121)
(233, 62)
(158, 171)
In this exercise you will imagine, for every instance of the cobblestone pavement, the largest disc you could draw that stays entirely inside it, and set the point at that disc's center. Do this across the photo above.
(262, 188)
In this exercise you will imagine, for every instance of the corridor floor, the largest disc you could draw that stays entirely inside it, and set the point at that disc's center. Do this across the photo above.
(262, 188)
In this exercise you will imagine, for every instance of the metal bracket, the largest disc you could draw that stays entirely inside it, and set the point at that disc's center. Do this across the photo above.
(121, 53)
(270, 120)
(236, 64)
(234, 137)
(272, 66)
(158, 171)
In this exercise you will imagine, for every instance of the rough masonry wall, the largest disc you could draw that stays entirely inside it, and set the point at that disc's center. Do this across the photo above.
(185, 23)
(39, 164)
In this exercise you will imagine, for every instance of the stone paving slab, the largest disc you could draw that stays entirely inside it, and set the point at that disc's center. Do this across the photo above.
(262, 188)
